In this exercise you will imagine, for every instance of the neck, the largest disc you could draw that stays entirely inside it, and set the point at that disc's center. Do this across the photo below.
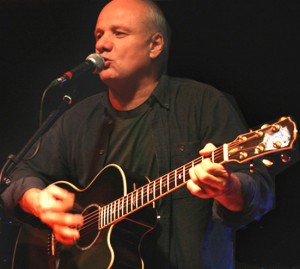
(131, 96)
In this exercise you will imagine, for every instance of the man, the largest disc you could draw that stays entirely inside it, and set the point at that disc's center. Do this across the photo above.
(148, 123)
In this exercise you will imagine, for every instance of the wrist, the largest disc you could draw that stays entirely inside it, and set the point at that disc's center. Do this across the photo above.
(232, 197)
(30, 201)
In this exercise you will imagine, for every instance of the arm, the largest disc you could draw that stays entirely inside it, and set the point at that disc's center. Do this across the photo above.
(240, 196)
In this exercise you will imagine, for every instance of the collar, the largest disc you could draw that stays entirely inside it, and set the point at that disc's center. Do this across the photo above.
(161, 93)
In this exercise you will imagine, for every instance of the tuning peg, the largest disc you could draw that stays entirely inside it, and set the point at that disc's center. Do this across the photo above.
(266, 125)
(277, 145)
(267, 162)
(260, 148)
(275, 128)
(285, 158)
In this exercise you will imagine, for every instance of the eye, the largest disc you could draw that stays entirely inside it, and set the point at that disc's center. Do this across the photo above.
(119, 34)
(98, 35)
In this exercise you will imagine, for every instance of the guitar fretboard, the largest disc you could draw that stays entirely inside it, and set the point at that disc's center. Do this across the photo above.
(152, 191)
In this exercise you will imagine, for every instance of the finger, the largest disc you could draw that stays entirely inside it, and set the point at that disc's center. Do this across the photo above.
(65, 235)
(194, 185)
(203, 184)
(194, 188)
(60, 218)
(207, 150)
(211, 173)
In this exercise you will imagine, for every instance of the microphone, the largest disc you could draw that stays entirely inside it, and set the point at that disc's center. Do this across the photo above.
(93, 63)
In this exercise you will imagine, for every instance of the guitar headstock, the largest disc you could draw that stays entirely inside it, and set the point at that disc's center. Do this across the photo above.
(271, 138)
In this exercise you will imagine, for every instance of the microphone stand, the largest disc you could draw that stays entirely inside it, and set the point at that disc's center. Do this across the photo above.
(13, 160)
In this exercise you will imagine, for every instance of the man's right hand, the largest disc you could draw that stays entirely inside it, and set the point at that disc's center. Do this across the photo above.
(50, 205)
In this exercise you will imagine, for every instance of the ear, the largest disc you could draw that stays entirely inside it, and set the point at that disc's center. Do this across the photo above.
(157, 45)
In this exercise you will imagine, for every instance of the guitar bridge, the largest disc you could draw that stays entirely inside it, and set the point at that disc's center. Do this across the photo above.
(51, 244)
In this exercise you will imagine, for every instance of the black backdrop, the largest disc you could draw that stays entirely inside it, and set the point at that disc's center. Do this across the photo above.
(249, 49)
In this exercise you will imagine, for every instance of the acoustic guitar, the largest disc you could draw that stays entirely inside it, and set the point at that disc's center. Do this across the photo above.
(118, 208)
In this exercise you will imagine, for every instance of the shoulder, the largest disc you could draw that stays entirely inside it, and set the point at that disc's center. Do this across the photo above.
(190, 89)
(86, 112)
(190, 85)
(87, 106)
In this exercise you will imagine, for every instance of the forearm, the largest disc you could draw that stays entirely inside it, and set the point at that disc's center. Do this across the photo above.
(14, 192)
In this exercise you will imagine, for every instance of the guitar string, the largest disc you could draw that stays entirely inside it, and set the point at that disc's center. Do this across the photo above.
(89, 219)
(111, 216)
(108, 216)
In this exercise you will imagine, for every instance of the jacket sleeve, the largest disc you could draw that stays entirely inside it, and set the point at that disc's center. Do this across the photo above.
(258, 192)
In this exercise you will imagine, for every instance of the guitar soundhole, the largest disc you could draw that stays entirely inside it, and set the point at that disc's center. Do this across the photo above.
(89, 232)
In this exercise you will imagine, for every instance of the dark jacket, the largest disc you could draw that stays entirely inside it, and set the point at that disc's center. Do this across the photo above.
(185, 115)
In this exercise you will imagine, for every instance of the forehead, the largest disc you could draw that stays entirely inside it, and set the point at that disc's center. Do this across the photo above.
(129, 14)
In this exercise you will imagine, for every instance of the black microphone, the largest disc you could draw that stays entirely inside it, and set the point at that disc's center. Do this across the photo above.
(93, 63)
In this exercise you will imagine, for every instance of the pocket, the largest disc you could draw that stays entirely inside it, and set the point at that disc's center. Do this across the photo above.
(181, 154)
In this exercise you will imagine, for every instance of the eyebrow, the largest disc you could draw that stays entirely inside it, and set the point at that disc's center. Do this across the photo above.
(114, 27)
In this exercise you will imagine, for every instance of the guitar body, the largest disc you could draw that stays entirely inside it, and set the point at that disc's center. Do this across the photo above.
(116, 246)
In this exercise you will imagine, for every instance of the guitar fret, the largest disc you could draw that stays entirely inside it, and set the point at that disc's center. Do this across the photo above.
(133, 200)
(122, 206)
(115, 208)
(109, 213)
(101, 218)
(127, 200)
(136, 199)
(148, 192)
(151, 191)
(104, 216)
(112, 217)
(163, 186)
(118, 209)
(160, 185)
(142, 196)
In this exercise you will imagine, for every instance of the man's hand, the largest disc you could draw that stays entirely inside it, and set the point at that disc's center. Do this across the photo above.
(212, 180)
(51, 205)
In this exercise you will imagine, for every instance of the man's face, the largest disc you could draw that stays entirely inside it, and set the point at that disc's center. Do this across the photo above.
(123, 38)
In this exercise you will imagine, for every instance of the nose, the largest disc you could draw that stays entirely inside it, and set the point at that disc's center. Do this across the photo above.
(104, 44)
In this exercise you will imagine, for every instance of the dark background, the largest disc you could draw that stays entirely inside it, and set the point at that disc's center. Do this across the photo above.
(249, 49)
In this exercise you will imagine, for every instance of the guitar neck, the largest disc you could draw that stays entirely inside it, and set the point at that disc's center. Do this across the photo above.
(153, 191)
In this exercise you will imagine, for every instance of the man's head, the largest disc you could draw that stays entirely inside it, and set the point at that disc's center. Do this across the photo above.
(132, 37)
